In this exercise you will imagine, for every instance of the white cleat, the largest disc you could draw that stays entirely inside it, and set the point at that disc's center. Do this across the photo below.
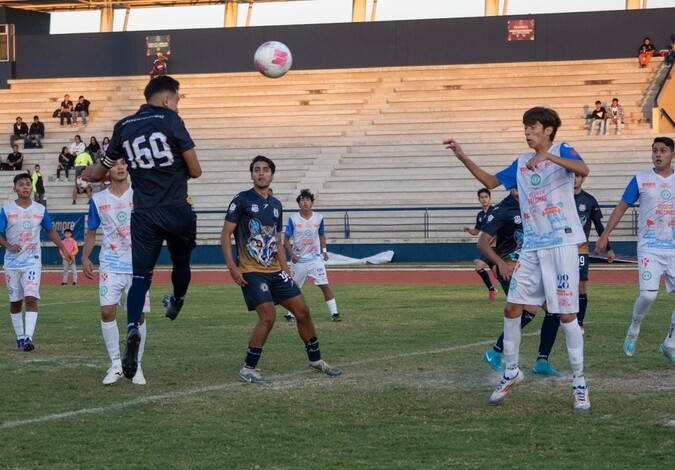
(504, 387)
(113, 375)
(582, 402)
(139, 378)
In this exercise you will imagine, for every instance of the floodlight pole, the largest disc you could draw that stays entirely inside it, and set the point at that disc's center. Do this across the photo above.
(358, 11)
(107, 15)
(231, 12)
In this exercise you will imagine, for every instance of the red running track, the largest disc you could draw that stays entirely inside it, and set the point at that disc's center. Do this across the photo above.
(370, 276)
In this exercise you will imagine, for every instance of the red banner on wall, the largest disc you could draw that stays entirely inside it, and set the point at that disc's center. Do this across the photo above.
(520, 30)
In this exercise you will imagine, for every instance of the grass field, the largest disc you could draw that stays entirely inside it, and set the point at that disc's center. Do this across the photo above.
(413, 393)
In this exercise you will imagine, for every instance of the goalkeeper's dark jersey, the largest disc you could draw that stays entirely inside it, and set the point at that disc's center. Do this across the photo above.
(152, 142)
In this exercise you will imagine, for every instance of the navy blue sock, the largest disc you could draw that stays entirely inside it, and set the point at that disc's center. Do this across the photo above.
(525, 319)
(583, 303)
(180, 278)
(252, 357)
(140, 285)
(486, 278)
(313, 351)
(549, 331)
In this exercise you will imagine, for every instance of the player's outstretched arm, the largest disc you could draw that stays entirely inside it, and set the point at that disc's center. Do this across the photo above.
(89, 242)
(194, 168)
(94, 173)
(54, 237)
(488, 180)
(226, 244)
(613, 221)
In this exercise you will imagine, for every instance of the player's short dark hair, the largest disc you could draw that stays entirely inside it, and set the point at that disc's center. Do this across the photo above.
(484, 190)
(598, 102)
(615, 99)
(160, 84)
(260, 158)
(21, 176)
(546, 116)
(305, 194)
(667, 141)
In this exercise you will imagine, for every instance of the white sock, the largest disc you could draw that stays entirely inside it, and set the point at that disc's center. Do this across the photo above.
(17, 322)
(670, 338)
(143, 330)
(111, 338)
(575, 350)
(511, 346)
(31, 320)
(332, 306)
(642, 305)
(289, 314)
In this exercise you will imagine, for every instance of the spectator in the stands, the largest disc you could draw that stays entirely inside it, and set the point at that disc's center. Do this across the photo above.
(19, 131)
(81, 110)
(66, 162)
(94, 148)
(35, 134)
(82, 160)
(104, 145)
(614, 116)
(646, 51)
(81, 186)
(14, 160)
(66, 110)
(77, 146)
(670, 53)
(598, 117)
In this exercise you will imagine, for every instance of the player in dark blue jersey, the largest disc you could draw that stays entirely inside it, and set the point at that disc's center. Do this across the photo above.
(482, 264)
(255, 218)
(161, 158)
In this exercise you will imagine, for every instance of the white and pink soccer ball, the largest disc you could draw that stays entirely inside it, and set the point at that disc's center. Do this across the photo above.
(273, 59)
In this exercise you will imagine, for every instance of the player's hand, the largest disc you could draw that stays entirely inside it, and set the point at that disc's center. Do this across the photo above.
(600, 245)
(610, 256)
(14, 248)
(237, 276)
(505, 271)
(71, 258)
(453, 145)
(88, 268)
(294, 259)
(536, 160)
(325, 256)
(466, 229)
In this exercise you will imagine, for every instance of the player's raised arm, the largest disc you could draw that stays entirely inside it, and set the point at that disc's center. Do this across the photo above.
(489, 181)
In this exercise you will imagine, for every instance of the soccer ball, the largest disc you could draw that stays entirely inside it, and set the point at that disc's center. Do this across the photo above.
(273, 59)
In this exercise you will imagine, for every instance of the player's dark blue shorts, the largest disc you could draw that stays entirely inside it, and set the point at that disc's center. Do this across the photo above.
(150, 227)
(268, 287)
(583, 267)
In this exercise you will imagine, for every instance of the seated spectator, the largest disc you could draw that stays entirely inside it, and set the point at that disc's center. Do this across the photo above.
(20, 131)
(614, 116)
(66, 162)
(66, 110)
(77, 146)
(598, 117)
(160, 66)
(670, 54)
(104, 145)
(35, 134)
(82, 160)
(81, 110)
(81, 186)
(14, 160)
(647, 50)
(94, 148)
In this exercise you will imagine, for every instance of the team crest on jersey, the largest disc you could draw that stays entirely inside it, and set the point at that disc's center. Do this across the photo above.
(254, 208)
(233, 206)
(646, 275)
(27, 225)
(535, 179)
(582, 207)
(490, 218)
(665, 195)
(517, 220)
(122, 216)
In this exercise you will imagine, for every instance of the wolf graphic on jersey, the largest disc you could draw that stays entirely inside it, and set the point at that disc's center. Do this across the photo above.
(262, 244)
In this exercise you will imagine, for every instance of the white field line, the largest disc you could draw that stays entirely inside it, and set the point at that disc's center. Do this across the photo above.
(215, 388)
(63, 303)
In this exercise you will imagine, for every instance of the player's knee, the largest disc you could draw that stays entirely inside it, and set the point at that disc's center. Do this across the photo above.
(512, 310)
(648, 295)
(108, 313)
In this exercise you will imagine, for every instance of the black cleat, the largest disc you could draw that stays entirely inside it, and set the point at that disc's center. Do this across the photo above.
(172, 305)
(336, 317)
(130, 361)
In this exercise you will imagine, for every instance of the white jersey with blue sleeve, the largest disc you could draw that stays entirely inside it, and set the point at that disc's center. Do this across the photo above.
(546, 196)
(113, 215)
(656, 221)
(305, 236)
(22, 227)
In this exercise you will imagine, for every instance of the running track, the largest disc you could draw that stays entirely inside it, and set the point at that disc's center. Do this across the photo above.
(434, 276)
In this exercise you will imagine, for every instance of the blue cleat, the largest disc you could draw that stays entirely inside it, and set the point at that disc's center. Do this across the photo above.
(630, 345)
(493, 359)
(542, 367)
(668, 352)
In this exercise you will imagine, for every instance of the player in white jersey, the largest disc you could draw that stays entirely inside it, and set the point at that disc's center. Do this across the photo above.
(309, 250)
(21, 221)
(111, 210)
(655, 188)
(547, 270)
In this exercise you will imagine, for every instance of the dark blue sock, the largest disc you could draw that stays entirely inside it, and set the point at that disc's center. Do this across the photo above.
(252, 357)
(583, 303)
(140, 285)
(525, 319)
(313, 351)
(180, 277)
(549, 331)
(486, 278)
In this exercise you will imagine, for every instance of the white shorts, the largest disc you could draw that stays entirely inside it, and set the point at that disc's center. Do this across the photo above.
(111, 286)
(653, 264)
(23, 283)
(314, 269)
(550, 275)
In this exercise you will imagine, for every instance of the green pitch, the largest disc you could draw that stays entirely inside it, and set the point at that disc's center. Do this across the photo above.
(413, 393)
